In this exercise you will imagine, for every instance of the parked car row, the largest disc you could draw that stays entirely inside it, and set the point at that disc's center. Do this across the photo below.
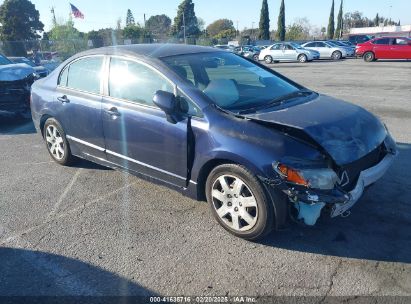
(292, 51)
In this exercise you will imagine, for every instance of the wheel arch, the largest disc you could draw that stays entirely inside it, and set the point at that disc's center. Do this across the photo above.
(43, 120)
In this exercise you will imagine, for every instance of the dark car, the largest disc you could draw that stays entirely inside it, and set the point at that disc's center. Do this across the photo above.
(356, 39)
(214, 126)
(15, 83)
(40, 70)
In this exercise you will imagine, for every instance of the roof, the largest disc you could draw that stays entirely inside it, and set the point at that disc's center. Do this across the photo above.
(152, 50)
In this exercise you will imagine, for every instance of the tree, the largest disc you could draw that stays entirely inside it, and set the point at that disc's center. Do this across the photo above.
(399, 23)
(219, 26)
(130, 18)
(159, 25)
(133, 31)
(20, 22)
(299, 30)
(377, 20)
(67, 39)
(264, 33)
(340, 25)
(281, 22)
(186, 16)
(331, 28)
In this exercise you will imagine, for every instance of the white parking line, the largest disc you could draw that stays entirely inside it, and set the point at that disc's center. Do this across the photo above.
(64, 194)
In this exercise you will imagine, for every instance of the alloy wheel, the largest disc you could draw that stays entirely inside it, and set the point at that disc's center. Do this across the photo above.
(234, 203)
(55, 142)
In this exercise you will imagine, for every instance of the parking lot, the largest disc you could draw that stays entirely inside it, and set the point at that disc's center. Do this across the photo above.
(87, 230)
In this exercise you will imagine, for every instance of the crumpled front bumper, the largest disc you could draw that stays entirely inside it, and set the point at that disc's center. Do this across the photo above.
(366, 178)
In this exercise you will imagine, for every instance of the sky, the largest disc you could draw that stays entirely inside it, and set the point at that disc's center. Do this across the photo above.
(105, 13)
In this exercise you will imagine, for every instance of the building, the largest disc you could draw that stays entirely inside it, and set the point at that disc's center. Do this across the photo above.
(380, 31)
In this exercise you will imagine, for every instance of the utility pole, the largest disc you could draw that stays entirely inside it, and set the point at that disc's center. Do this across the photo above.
(252, 29)
(54, 16)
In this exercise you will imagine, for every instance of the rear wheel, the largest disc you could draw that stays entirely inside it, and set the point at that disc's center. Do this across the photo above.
(268, 59)
(337, 55)
(238, 202)
(302, 58)
(369, 57)
(56, 142)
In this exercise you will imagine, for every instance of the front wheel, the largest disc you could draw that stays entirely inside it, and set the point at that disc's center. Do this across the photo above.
(256, 57)
(239, 203)
(56, 142)
(302, 58)
(268, 59)
(337, 55)
(369, 57)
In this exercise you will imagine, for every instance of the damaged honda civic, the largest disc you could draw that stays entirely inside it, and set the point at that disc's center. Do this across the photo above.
(218, 127)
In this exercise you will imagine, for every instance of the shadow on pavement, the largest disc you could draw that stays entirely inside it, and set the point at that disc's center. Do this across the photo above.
(379, 227)
(14, 125)
(39, 274)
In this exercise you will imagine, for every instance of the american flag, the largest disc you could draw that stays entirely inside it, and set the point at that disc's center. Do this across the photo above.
(76, 12)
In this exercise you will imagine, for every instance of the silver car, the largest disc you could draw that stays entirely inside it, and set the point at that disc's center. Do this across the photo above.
(287, 51)
(350, 49)
(327, 50)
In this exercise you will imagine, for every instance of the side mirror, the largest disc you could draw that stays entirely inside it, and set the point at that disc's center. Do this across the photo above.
(167, 102)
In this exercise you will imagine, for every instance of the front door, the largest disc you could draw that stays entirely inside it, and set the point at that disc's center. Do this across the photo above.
(138, 135)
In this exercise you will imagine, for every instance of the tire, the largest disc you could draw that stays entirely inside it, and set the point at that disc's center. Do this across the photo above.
(369, 57)
(56, 142)
(251, 222)
(268, 59)
(302, 58)
(256, 57)
(337, 55)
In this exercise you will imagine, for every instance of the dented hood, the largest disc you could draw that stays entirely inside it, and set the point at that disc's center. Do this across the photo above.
(13, 72)
(347, 132)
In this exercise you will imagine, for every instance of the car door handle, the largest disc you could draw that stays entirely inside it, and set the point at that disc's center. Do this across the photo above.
(113, 112)
(63, 99)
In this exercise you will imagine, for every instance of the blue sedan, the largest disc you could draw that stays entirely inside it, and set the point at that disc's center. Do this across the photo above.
(215, 126)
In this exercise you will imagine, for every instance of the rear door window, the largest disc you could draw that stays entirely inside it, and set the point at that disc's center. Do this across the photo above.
(384, 41)
(84, 75)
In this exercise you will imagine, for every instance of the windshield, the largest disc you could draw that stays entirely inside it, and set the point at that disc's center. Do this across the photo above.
(4, 60)
(230, 81)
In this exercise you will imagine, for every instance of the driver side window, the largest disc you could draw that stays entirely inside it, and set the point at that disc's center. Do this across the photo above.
(135, 82)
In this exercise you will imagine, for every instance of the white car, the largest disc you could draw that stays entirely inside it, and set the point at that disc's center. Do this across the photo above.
(287, 51)
(327, 50)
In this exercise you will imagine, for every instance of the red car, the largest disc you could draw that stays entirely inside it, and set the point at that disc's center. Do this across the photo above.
(385, 48)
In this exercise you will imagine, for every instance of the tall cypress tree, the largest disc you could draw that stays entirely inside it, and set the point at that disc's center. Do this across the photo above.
(338, 31)
(185, 13)
(264, 33)
(331, 26)
(377, 20)
(130, 18)
(281, 22)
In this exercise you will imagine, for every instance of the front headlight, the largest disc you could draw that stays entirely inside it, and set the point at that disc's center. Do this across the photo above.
(322, 178)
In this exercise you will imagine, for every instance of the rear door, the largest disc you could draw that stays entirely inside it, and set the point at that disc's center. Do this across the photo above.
(276, 52)
(79, 97)
(382, 48)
